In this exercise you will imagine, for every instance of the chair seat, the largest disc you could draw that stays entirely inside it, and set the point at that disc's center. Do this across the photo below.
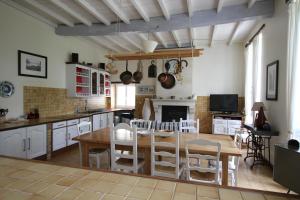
(203, 176)
(129, 162)
(97, 151)
(170, 170)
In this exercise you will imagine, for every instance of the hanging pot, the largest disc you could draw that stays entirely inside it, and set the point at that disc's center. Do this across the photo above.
(138, 75)
(170, 79)
(152, 71)
(126, 76)
(162, 77)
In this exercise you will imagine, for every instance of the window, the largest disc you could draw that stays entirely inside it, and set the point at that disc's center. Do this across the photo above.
(123, 96)
(253, 78)
(293, 71)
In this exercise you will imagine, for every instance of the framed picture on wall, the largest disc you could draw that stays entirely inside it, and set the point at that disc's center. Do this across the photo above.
(272, 81)
(32, 65)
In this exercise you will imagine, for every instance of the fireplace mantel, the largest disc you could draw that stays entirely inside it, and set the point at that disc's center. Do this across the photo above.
(158, 103)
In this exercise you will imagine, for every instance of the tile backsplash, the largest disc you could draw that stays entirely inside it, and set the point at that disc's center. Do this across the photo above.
(54, 101)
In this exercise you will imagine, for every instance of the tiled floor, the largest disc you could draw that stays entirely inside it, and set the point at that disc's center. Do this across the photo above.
(260, 177)
(29, 180)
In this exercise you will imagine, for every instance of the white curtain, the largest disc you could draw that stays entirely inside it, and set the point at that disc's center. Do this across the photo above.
(293, 71)
(253, 76)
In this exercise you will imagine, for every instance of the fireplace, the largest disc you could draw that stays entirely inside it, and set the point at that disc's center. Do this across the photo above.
(173, 113)
(174, 109)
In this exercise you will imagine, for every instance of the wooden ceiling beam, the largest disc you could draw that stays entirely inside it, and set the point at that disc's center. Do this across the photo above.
(131, 41)
(140, 9)
(160, 39)
(92, 10)
(213, 32)
(50, 12)
(220, 5)
(117, 10)
(251, 3)
(229, 14)
(103, 44)
(176, 37)
(71, 12)
(163, 54)
(29, 12)
(234, 33)
(117, 43)
(163, 7)
(190, 7)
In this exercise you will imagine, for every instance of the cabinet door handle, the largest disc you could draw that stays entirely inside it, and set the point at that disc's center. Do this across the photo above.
(29, 144)
(24, 144)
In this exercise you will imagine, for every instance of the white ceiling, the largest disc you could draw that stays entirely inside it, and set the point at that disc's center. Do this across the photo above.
(72, 12)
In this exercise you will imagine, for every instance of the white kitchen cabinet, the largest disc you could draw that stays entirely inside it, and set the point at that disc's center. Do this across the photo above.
(103, 120)
(36, 141)
(59, 139)
(96, 122)
(13, 143)
(110, 119)
(28, 142)
(72, 131)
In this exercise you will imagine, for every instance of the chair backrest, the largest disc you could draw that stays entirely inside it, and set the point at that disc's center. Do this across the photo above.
(170, 126)
(165, 140)
(203, 165)
(124, 135)
(84, 127)
(140, 124)
(189, 126)
(238, 140)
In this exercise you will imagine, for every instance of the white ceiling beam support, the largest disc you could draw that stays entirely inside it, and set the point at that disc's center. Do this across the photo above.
(229, 14)
(190, 7)
(49, 12)
(160, 39)
(71, 12)
(29, 12)
(117, 43)
(192, 34)
(163, 7)
(131, 41)
(92, 10)
(233, 34)
(251, 3)
(213, 31)
(220, 5)
(176, 37)
(117, 10)
(101, 43)
(140, 9)
(142, 36)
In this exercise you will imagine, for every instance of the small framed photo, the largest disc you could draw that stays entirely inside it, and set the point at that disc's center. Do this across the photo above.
(145, 89)
(272, 81)
(32, 65)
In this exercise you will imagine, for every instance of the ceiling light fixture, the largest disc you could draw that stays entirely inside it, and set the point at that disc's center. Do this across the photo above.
(149, 45)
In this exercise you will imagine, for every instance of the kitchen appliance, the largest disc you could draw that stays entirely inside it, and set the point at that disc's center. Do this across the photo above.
(74, 58)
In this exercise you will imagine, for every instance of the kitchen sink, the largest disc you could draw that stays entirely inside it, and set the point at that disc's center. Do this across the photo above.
(92, 111)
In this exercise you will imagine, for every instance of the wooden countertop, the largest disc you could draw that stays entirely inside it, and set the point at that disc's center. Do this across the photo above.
(23, 179)
(32, 122)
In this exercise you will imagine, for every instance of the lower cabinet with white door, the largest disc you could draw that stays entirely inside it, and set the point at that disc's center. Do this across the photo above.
(103, 120)
(30, 142)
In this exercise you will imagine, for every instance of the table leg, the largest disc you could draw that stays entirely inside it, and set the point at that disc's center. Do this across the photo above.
(225, 170)
(84, 154)
(147, 159)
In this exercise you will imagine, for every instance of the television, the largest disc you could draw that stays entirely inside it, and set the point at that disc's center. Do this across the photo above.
(227, 103)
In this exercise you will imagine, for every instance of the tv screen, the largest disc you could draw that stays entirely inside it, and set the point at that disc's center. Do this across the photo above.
(224, 102)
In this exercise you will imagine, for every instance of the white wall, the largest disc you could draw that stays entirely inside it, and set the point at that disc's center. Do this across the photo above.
(219, 70)
(22, 32)
(275, 48)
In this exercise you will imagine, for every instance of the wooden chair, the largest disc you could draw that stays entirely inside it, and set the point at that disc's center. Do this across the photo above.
(197, 165)
(169, 163)
(140, 124)
(95, 153)
(125, 136)
(233, 163)
(189, 126)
